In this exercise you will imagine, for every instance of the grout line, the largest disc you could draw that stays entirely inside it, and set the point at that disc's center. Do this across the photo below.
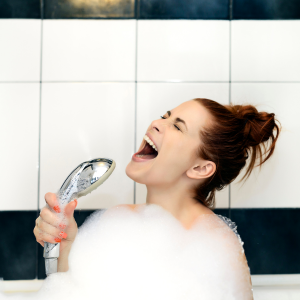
(229, 62)
(131, 81)
(91, 18)
(135, 81)
(42, 9)
(89, 81)
(229, 187)
(19, 82)
(230, 9)
(229, 204)
(294, 208)
(39, 144)
(40, 111)
(137, 9)
(181, 81)
(135, 105)
(234, 81)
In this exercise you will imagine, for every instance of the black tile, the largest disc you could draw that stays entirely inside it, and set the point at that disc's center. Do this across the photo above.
(266, 9)
(80, 216)
(184, 9)
(222, 211)
(23, 9)
(81, 9)
(271, 239)
(18, 245)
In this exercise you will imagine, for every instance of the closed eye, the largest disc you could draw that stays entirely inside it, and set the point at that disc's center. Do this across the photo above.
(174, 124)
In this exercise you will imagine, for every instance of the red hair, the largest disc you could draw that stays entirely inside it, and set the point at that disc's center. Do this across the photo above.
(235, 130)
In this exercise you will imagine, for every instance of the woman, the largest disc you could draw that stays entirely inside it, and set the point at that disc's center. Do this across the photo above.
(192, 151)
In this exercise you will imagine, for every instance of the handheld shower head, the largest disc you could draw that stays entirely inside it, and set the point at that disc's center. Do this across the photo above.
(82, 180)
(85, 178)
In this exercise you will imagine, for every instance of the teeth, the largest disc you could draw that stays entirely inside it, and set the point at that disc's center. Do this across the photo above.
(140, 155)
(150, 142)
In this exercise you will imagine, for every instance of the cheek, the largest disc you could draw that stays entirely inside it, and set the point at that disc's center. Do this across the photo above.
(172, 163)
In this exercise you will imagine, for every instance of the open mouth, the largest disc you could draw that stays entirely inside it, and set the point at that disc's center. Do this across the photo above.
(147, 153)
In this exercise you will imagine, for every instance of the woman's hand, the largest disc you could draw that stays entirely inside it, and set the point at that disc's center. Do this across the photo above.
(50, 228)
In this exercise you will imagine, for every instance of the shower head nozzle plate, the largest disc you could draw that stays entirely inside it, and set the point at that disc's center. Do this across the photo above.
(86, 178)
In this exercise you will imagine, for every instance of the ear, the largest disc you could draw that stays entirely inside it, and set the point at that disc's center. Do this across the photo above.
(201, 170)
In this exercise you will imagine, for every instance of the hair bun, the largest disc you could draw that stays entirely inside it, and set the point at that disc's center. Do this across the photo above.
(245, 112)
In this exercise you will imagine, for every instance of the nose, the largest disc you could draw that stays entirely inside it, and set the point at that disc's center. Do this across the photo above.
(156, 125)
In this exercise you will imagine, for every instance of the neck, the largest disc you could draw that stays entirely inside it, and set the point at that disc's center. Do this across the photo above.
(178, 201)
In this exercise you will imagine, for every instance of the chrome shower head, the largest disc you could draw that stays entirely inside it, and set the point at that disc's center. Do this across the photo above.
(85, 178)
(82, 180)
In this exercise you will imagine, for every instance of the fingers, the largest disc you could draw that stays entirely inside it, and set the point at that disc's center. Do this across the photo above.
(35, 232)
(51, 200)
(50, 217)
(53, 227)
(48, 233)
(43, 236)
(70, 207)
(54, 231)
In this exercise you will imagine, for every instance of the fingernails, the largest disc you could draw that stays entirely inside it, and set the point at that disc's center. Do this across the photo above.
(76, 202)
(56, 208)
(63, 235)
(62, 226)
(57, 240)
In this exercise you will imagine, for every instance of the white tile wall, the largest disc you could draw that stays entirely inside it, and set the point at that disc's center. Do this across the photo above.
(168, 50)
(20, 50)
(184, 50)
(89, 50)
(82, 121)
(277, 183)
(19, 134)
(154, 99)
(265, 50)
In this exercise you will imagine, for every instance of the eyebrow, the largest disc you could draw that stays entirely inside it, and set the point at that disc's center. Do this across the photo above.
(177, 119)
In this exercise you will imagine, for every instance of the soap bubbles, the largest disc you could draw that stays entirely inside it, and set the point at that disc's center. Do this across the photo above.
(147, 254)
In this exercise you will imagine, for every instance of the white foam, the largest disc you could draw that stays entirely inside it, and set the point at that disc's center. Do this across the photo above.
(147, 254)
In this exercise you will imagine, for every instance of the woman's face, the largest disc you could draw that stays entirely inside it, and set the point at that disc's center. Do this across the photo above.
(176, 137)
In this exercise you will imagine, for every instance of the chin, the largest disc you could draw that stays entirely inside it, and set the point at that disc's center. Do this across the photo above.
(137, 175)
(131, 173)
